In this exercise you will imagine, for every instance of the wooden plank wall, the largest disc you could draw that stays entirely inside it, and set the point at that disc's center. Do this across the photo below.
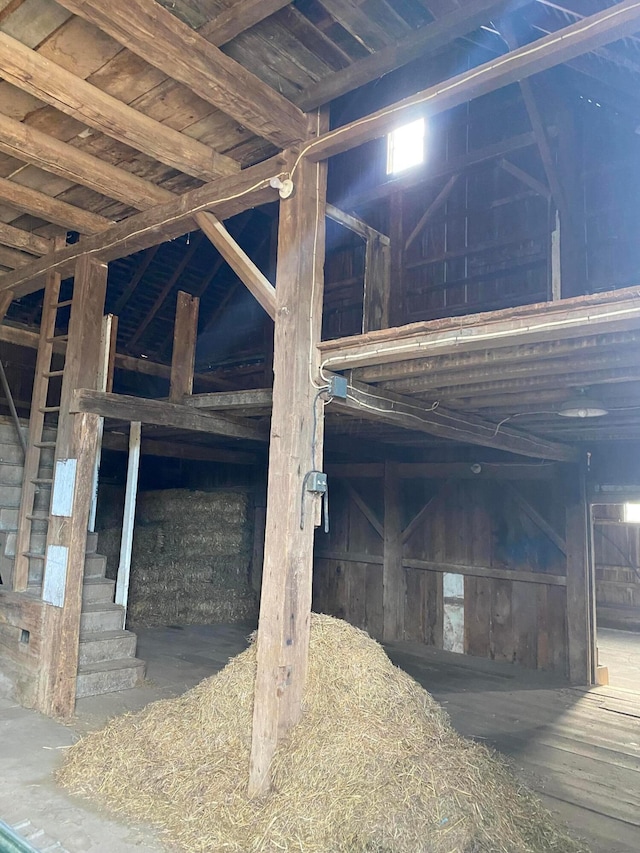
(617, 567)
(473, 524)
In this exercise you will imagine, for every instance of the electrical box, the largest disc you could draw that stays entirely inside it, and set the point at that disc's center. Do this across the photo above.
(317, 482)
(338, 387)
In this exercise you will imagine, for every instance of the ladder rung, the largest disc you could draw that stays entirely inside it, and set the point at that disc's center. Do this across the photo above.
(34, 556)
(42, 480)
(38, 516)
(42, 444)
(45, 409)
(57, 338)
(64, 304)
(50, 374)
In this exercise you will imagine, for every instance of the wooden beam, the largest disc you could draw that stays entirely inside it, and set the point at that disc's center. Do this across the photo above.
(579, 584)
(183, 358)
(393, 578)
(162, 40)
(487, 572)
(254, 280)
(377, 283)
(431, 38)
(295, 450)
(119, 443)
(426, 510)
(435, 205)
(580, 316)
(222, 401)
(540, 522)
(164, 293)
(30, 71)
(51, 209)
(403, 412)
(446, 470)
(162, 413)
(355, 224)
(594, 31)
(12, 258)
(525, 178)
(365, 509)
(225, 196)
(30, 145)
(128, 520)
(229, 23)
(24, 240)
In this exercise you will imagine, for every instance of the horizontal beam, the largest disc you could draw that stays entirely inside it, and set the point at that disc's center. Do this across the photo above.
(577, 317)
(355, 224)
(225, 196)
(153, 33)
(17, 238)
(177, 450)
(242, 265)
(594, 31)
(258, 398)
(33, 73)
(372, 404)
(445, 470)
(51, 209)
(162, 413)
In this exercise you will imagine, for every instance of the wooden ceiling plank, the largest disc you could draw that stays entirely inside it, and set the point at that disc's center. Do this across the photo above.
(52, 84)
(355, 20)
(51, 209)
(429, 38)
(226, 197)
(29, 145)
(606, 26)
(238, 18)
(162, 40)
(17, 238)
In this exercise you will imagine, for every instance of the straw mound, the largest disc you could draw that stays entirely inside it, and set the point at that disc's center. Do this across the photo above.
(373, 766)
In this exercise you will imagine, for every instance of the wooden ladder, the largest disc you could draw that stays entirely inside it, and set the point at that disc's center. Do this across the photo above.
(31, 482)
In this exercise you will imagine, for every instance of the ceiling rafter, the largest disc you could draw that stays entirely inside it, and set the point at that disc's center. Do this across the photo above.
(54, 210)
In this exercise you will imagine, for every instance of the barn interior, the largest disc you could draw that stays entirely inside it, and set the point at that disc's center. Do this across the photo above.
(328, 305)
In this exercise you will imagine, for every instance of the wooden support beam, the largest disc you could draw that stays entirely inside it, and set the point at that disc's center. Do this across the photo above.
(355, 224)
(128, 520)
(183, 358)
(119, 443)
(30, 71)
(164, 293)
(431, 38)
(487, 572)
(258, 398)
(374, 404)
(594, 31)
(525, 178)
(532, 513)
(230, 22)
(24, 240)
(423, 514)
(30, 145)
(393, 578)
(162, 40)
(225, 197)
(365, 509)
(256, 283)
(580, 630)
(435, 205)
(45, 207)
(377, 284)
(295, 450)
(581, 316)
(162, 413)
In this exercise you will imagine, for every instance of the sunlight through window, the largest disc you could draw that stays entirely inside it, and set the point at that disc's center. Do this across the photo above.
(405, 147)
(632, 513)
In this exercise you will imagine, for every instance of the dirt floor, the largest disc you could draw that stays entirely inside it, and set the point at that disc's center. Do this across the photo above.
(580, 749)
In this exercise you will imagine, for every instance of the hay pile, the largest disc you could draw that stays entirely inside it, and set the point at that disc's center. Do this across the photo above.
(373, 766)
(191, 558)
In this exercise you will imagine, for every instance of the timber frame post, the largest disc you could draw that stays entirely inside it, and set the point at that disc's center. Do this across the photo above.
(295, 451)
(72, 492)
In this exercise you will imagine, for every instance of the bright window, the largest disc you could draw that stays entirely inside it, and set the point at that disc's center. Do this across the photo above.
(405, 147)
(632, 513)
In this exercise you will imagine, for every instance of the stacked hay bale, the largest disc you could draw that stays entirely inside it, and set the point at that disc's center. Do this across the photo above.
(191, 558)
(374, 766)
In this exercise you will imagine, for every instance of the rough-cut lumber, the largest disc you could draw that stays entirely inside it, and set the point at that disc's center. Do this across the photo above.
(446, 470)
(535, 516)
(580, 582)
(579, 316)
(37, 75)
(355, 224)
(435, 205)
(23, 240)
(162, 413)
(525, 178)
(285, 604)
(430, 38)
(225, 196)
(374, 404)
(30, 145)
(239, 17)
(487, 572)
(565, 44)
(154, 34)
(254, 280)
(183, 357)
(177, 450)
(12, 259)
(365, 509)
(128, 519)
(393, 578)
(51, 209)
(257, 398)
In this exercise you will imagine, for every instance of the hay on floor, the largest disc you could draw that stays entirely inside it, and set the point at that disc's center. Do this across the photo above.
(373, 766)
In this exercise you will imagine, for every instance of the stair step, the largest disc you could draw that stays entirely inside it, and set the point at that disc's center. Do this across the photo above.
(101, 616)
(109, 676)
(95, 565)
(92, 543)
(98, 589)
(106, 645)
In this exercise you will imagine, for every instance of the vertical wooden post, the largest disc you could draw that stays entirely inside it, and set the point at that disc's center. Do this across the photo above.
(393, 579)
(285, 605)
(76, 448)
(183, 358)
(573, 244)
(377, 280)
(396, 233)
(556, 264)
(104, 383)
(128, 521)
(580, 627)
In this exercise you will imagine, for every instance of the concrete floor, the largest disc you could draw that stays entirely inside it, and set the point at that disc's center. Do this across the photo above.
(581, 750)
